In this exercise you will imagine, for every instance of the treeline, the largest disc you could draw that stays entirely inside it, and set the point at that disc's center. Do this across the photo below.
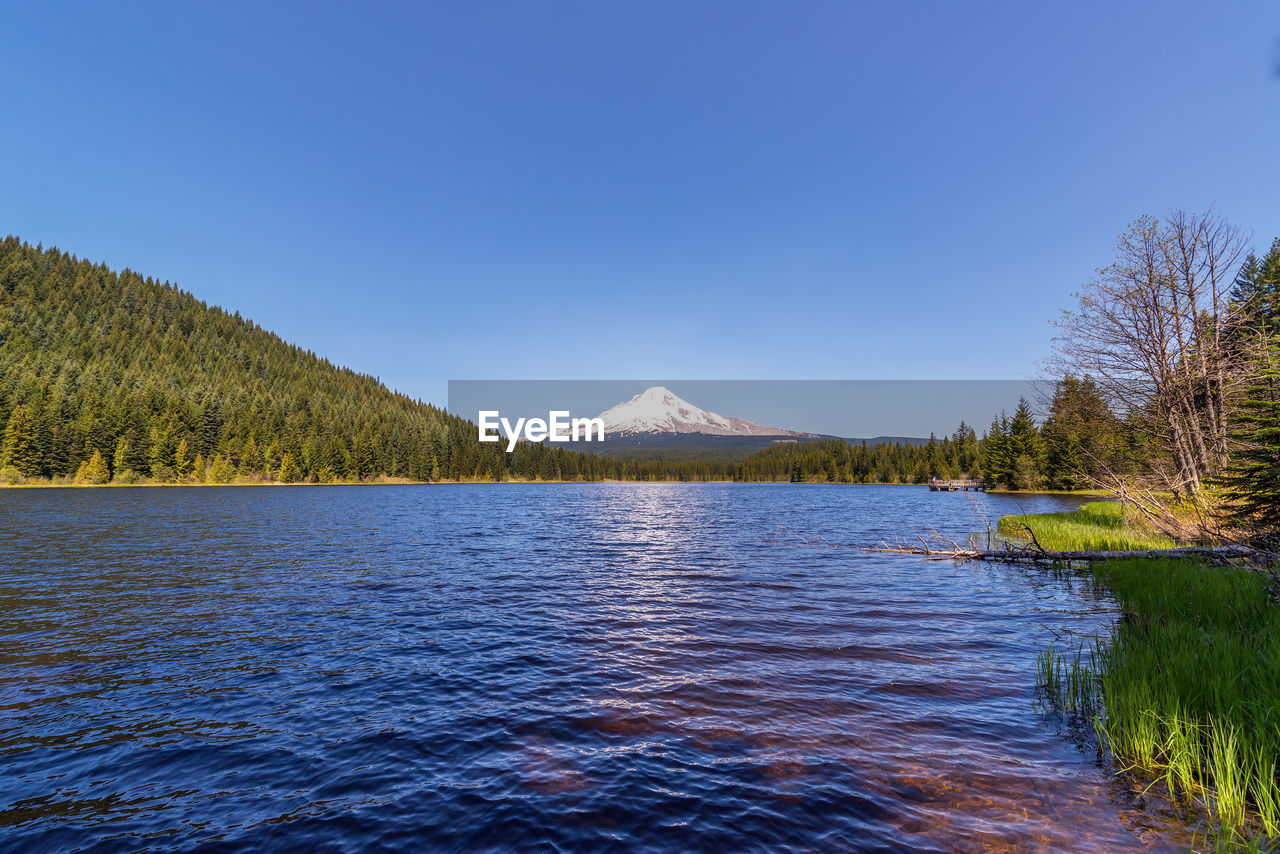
(1064, 453)
(825, 461)
(836, 461)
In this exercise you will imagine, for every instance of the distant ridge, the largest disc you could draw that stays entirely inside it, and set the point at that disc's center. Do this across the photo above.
(657, 424)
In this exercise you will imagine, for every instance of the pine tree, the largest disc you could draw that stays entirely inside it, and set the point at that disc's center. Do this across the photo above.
(1270, 287)
(120, 459)
(271, 459)
(182, 464)
(288, 469)
(364, 454)
(158, 457)
(221, 470)
(997, 465)
(1025, 449)
(1252, 479)
(1256, 294)
(964, 444)
(21, 448)
(210, 424)
(66, 441)
(1083, 440)
(1064, 453)
(98, 471)
(251, 458)
(1247, 279)
(93, 471)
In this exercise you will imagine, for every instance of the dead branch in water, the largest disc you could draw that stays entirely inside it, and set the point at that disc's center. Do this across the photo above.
(1035, 553)
(1223, 555)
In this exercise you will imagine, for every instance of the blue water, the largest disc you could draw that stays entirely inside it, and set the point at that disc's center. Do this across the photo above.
(658, 667)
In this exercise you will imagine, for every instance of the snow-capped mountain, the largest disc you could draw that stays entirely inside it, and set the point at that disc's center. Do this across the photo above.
(659, 410)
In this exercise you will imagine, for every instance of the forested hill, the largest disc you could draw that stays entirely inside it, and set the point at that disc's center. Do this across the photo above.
(113, 377)
(165, 387)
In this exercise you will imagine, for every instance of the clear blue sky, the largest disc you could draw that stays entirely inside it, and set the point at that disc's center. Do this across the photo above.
(597, 190)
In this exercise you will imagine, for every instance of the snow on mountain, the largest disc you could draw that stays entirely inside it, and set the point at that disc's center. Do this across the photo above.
(658, 410)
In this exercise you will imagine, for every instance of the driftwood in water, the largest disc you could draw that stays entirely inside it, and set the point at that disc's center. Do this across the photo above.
(945, 549)
(1021, 553)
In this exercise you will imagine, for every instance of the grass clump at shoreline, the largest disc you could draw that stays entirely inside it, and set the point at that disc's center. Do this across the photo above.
(1097, 526)
(1186, 690)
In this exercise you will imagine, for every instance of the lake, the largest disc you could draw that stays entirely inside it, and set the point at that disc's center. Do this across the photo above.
(577, 667)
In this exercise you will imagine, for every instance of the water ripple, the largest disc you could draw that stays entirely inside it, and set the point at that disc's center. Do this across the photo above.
(559, 668)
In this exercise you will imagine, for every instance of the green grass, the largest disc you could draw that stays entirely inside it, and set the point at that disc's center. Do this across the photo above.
(1186, 690)
(1097, 526)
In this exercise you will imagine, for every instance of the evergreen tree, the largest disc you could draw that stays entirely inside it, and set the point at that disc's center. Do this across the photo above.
(363, 454)
(251, 458)
(221, 470)
(183, 466)
(210, 424)
(120, 459)
(1270, 288)
(964, 443)
(21, 448)
(93, 471)
(1025, 449)
(1082, 438)
(62, 440)
(288, 469)
(1064, 454)
(997, 464)
(1252, 479)
(158, 458)
(1255, 297)
(1246, 282)
(271, 459)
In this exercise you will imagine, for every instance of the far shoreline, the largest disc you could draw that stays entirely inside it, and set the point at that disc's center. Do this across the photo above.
(511, 481)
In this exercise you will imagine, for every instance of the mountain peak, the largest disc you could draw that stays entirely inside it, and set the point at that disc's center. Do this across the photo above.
(658, 409)
(660, 394)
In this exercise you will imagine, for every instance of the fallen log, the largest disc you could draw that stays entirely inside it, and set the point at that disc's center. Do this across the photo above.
(1013, 553)
(1019, 554)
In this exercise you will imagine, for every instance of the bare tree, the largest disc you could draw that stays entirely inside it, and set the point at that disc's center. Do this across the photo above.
(1150, 329)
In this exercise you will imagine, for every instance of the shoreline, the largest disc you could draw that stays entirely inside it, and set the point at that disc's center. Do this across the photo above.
(512, 481)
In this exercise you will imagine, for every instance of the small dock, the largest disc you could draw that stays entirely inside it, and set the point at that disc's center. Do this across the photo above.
(956, 486)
